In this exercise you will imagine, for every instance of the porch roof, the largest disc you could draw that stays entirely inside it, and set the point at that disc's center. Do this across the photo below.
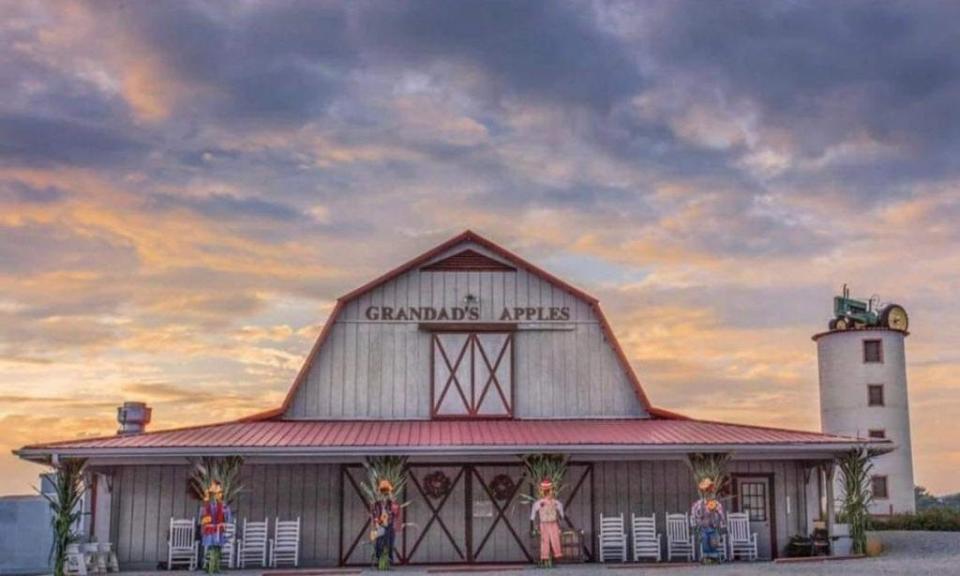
(449, 437)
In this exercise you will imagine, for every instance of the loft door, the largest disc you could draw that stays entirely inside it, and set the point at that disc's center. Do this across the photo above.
(472, 375)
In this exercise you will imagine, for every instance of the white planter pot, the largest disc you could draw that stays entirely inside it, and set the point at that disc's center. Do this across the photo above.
(840, 542)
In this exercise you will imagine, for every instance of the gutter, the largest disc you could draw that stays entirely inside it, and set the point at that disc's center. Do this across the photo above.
(599, 450)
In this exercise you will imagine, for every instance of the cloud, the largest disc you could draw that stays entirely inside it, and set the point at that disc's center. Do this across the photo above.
(38, 141)
(17, 192)
(817, 74)
(185, 190)
(527, 50)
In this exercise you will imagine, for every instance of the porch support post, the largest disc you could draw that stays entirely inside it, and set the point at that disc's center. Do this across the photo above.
(830, 470)
(468, 513)
(100, 504)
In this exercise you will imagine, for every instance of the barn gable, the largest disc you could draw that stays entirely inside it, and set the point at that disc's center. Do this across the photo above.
(467, 329)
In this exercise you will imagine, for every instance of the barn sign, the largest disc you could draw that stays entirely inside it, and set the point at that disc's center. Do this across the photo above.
(460, 313)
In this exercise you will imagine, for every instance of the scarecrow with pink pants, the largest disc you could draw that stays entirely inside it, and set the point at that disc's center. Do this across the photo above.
(550, 511)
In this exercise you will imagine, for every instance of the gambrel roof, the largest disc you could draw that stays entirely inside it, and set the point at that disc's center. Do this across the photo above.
(508, 257)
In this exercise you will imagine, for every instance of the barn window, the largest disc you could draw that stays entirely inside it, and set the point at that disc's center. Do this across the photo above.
(878, 485)
(872, 351)
(875, 395)
(472, 375)
(878, 434)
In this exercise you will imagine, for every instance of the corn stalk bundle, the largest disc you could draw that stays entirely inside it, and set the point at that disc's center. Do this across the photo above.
(225, 470)
(539, 467)
(855, 467)
(390, 468)
(712, 466)
(64, 503)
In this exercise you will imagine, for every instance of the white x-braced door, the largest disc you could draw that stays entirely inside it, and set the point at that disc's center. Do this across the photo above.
(472, 374)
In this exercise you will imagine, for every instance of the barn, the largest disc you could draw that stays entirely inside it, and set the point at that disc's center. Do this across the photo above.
(463, 359)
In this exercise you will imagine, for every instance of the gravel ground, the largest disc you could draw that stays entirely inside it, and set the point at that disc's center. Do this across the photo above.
(913, 553)
(919, 553)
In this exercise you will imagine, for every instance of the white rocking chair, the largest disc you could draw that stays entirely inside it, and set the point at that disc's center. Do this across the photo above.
(182, 544)
(285, 544)
(679, 539)
(613, 538)
(646, 539)
(724, 555)
(742, 541)
(253, 545)
(228, 552)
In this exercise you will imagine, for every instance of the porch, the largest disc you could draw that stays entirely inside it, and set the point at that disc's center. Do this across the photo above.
(463, 511)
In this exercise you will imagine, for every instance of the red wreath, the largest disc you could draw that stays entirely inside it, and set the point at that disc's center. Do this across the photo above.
(502, 487)
(436, 484)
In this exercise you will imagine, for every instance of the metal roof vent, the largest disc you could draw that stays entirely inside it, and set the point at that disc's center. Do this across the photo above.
(133, 418)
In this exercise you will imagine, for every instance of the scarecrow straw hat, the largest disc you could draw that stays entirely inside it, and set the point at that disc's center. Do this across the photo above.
(385, 486)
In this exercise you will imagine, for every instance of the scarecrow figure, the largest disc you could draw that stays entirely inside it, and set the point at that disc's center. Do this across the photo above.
(214, 516)
(385, 518)
(708, 517)
(551, 511)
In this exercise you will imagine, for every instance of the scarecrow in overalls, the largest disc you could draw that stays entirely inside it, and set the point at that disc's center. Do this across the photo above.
(550, 511)
(385, 517)
(214, 516)
(708, 517)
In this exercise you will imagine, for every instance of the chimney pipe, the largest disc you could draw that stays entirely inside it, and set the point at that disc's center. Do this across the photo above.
(133, 418)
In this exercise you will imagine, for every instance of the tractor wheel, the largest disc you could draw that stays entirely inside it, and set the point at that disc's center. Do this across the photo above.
(841, 324)
(832, 325)
(894, 316)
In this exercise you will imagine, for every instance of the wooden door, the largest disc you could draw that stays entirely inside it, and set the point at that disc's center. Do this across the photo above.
(456, 513)
(499, 516)
(754, 496)
(355, 525)
(578, 504)
(435, 529)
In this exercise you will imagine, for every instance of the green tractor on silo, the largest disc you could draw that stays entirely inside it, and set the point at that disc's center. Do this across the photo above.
(850, 314)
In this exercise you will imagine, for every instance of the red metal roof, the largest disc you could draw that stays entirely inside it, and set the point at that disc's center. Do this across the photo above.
(446, 435)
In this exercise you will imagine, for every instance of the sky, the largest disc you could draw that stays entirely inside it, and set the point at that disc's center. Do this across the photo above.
(186, 188)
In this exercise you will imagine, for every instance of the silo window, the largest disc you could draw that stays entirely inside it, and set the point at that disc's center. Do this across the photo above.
(878, 485)
(878, 434)
(875, 395)
(872, 351)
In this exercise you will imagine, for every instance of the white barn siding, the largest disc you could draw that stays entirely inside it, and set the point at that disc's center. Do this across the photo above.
(145, 497)
(666, 486)
(368, 370)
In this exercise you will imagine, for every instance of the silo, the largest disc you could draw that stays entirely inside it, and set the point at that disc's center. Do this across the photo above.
(863, 393)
